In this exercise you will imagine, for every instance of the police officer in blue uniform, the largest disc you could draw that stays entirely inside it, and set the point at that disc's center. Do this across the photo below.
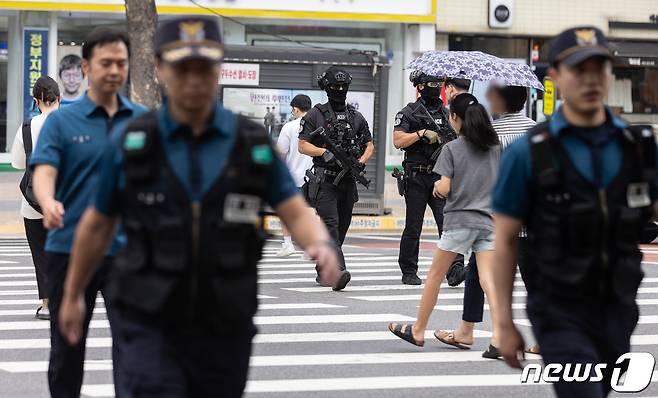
(188, 181)
(421, 130)
(66, 165)
(333, 196)
(584, 184)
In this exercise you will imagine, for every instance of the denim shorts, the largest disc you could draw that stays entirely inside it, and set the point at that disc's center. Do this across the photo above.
(465, 240)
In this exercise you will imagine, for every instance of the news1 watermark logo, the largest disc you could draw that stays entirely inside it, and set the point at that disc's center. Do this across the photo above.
(631, 373)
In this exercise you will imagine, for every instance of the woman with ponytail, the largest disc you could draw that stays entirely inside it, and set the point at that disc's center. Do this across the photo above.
(46, 97)
(468, 167)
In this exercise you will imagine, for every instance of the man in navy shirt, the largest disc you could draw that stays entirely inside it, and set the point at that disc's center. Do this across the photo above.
(188, 182)
(66, 161)
(584, 184)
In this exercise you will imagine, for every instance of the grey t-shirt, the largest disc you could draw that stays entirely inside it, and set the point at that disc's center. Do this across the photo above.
(473, 175)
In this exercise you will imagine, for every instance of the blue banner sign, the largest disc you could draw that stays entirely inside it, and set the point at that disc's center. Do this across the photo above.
(35, 65)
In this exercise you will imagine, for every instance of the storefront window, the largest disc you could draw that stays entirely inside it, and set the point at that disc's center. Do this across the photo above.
(503, 47)
(71, 33)
(635, 90)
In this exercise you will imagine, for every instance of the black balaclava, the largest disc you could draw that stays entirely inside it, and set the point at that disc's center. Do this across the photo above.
(432, 96)
(337, 98)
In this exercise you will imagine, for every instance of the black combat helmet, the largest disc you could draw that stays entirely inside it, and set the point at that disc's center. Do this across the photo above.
(335, 82)
(334, 75)
(417, 77)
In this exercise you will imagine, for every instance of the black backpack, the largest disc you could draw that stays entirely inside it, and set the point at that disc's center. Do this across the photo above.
(26, 181)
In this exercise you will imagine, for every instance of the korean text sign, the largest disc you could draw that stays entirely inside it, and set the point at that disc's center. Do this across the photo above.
(35, 64)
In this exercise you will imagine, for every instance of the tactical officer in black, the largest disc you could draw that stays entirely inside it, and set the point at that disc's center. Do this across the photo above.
(188, 181)
(421, 130)
(584, 184)
(331, 187)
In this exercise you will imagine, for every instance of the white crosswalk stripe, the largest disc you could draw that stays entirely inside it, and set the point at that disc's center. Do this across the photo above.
(294, 360)
(18, 283)
(261, 338)
(644, 320)
(32, 312)
(521, 306)
(359, 288)
(307, 333)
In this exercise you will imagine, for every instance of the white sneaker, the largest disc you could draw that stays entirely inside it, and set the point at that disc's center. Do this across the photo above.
(286, 251)
(42, 313)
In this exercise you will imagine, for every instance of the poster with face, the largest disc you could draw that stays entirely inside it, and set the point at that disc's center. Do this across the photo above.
(72, 82)
(271, 107)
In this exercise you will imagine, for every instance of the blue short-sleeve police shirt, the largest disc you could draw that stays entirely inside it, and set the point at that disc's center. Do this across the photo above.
(73, 140)
(511, 193)
(204, 163)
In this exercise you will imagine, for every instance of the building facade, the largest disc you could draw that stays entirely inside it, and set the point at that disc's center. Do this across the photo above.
(36, 35)
(631, 27)
(395, 29)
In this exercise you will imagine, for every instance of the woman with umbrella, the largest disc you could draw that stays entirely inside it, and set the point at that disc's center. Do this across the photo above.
(507, 104)
(468, 167)
(477, 66)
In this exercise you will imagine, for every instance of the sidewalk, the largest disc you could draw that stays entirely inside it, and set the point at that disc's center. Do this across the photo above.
(11, 222)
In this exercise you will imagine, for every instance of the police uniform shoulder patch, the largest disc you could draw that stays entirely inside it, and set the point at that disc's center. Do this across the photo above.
(262, 154)
(398, 119)
(134, 140)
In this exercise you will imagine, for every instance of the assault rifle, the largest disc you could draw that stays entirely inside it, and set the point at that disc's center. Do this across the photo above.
(348, 162)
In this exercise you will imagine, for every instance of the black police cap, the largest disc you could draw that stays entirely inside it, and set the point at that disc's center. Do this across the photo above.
(191, 37)
(576, 45)
(334, 75)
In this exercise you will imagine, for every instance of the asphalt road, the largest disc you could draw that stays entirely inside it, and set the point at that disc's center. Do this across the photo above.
(312, 342)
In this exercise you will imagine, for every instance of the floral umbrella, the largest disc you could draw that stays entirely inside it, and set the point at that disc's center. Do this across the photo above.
(475, 65)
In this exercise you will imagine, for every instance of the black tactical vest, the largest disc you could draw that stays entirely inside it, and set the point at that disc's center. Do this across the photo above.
(186, 262)
(422, 152)
(583, 241)
(342, 129)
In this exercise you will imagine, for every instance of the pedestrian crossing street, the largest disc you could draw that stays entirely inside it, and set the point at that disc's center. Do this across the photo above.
(312, 342)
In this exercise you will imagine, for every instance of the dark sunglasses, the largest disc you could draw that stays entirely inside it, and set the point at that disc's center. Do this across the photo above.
(338, 86)
(432, 84)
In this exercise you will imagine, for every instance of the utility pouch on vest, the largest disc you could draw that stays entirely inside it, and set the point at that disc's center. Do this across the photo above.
(133, 257)
(137, 145)
(557, 267)
(168, 246)
(546, 168)
(647, 151)
(231, 252)
(627, 277)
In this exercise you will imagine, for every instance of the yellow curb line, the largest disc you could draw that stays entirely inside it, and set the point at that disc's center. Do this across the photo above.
(361, 223)
(273, 224)
(12, 229)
